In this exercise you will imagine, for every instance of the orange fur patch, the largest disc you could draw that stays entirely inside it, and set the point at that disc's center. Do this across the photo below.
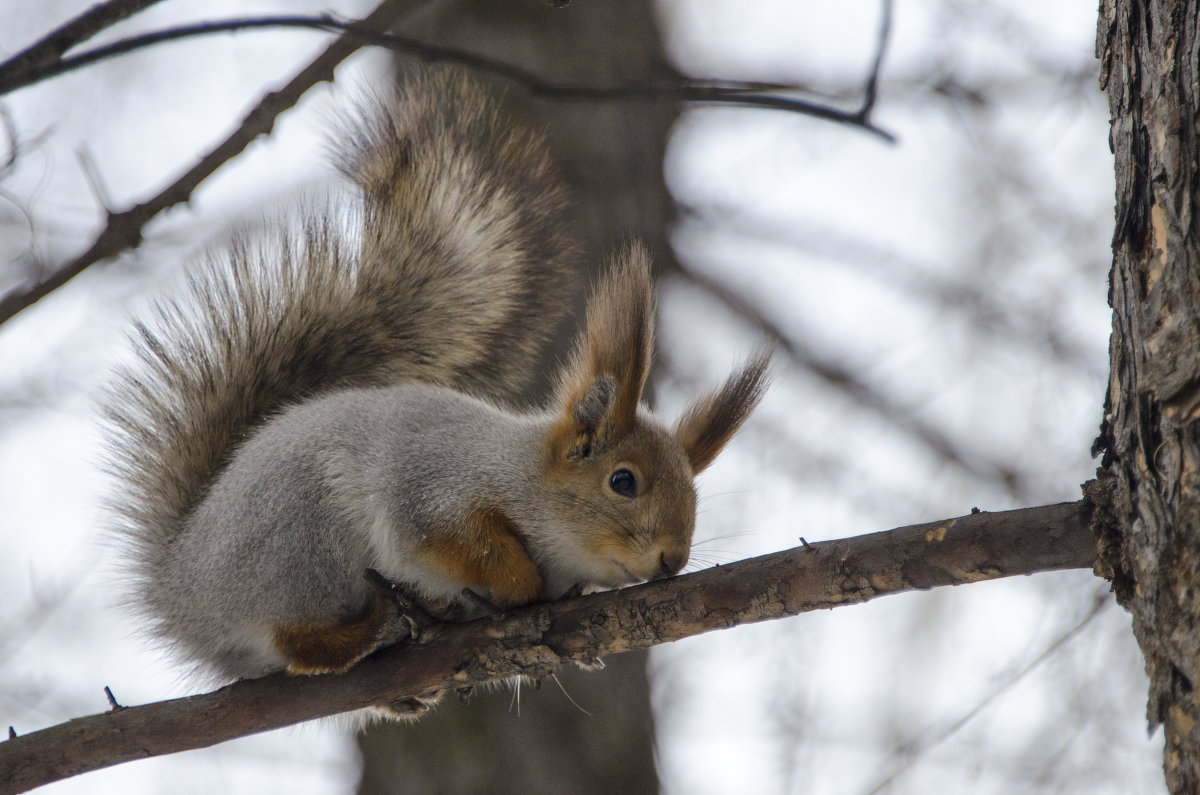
(312, 648)
(485, 553)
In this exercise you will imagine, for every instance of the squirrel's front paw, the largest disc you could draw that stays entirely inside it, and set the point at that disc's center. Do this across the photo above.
(405, 617)
(573, 591)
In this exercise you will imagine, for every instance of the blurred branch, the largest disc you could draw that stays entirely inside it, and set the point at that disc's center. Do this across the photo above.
(786, 453)
(49, 50)
(869, 93)
(850, 384)
(124, 229)
(535, 640)
(915, 750)
(721, 92)
(11, 140)
(14, 147)
(967, 297)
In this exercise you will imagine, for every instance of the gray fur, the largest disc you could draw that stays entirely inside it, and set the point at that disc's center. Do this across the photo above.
(446, 265)
(332, 486)
(319, 401)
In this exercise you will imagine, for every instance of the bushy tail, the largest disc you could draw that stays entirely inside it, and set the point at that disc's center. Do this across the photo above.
(450, 268)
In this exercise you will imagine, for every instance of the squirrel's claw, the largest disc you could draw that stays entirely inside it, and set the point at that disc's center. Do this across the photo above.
(408, 609)
(488, 606)
(573, 591)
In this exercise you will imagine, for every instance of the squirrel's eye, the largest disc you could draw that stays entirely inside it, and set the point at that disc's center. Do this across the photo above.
(623, 482)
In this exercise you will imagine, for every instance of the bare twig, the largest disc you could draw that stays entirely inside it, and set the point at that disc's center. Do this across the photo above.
(124, 229)
(534, 640)
(1015, 320)
(915, 750)
(881, 41)
(14, 78)
(50, 48)
(112, 700)
(724, 92)
(10, 137)
(95, 182)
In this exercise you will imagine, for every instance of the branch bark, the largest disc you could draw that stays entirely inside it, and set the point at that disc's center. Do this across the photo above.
(535, 640)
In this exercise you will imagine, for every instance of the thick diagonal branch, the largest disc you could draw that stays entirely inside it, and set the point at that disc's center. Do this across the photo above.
(533, 641)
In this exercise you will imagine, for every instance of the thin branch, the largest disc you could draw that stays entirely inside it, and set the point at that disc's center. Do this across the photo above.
(1102, 601)
(50, 48)
(10, 138)
(535, 640)
(92, 174)
(124, 229)
(721, 92)
(885, 266)
(14, 78)
(881, 41)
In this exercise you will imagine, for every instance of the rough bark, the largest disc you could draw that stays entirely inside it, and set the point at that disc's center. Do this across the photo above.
(1150, 474)
(534, 641)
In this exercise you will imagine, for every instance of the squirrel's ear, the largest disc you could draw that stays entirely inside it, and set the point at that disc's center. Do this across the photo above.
(709, 423)
(602, 386)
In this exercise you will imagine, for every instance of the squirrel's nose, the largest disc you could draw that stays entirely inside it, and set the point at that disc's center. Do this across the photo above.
(671, 563)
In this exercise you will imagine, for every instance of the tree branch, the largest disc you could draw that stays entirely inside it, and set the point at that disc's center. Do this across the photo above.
(881, 40)
(533, 641)
(124, 229)
(726, 92)
(990, 312)
(49, 50)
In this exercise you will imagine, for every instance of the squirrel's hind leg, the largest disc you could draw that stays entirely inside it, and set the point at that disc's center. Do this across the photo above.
(314, 648)
(333, 648)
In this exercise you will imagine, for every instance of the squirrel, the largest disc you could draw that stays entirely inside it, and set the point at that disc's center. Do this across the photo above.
(333, 397)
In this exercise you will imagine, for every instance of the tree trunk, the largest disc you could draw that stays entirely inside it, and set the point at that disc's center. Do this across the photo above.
(1150, 476)
(611, 155)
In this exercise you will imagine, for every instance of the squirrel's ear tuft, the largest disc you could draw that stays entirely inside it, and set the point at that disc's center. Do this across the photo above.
(709, 423)
(594, 404)
(602, 385)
